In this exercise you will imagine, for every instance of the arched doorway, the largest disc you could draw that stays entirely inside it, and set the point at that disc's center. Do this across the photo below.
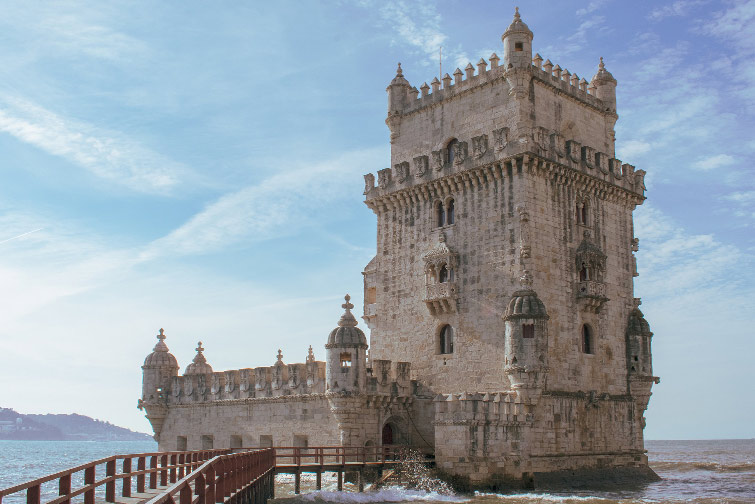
(387, 434)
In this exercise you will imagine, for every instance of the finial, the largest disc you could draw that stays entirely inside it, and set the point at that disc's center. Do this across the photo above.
(601, 65)
(280, 356)
(526, 279)
(399, 73)
(310, 355)
(347, 319)
(516, 13)
(161, 336)
(199, 348)
(161, 346)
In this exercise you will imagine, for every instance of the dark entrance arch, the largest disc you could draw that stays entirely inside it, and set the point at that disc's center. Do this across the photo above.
(387, 434)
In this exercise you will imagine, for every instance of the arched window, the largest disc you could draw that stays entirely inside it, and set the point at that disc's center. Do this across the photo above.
(441, 214)
(450, 212)
(587, 339)
(443, 275)
(447, 340)
(451, 150)
(584, 273)
(345, 361)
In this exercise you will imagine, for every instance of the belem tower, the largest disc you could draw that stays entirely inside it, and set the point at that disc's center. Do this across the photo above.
(505, 338)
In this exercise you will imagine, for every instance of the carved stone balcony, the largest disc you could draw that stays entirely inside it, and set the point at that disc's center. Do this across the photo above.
(591, 295)
(441, 298)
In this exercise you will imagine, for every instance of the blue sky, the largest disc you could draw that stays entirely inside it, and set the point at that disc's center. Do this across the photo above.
(198, 166)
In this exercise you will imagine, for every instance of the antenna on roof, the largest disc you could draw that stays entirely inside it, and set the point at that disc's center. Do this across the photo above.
(440, 62)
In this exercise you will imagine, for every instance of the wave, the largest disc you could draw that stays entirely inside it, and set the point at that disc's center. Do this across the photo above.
(390, 494)
(702, 466)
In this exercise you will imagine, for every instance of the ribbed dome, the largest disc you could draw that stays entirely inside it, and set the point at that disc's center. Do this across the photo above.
(160, 355)
(399, 79)
(602, 75)
(525, 304)
(637, 324)
(517, 26)
(199, 365)
(347, 334)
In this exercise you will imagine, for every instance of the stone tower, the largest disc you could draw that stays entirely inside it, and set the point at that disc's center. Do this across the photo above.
(157, 372)
(505, 266)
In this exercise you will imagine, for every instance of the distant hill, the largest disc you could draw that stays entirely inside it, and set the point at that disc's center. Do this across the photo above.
(14, 425)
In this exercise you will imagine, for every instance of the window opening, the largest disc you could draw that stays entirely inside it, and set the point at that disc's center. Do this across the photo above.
(443, 275)
(181, 443)
(584, 273)
(587, 343)
(266, 441)
(518, 46)
(441, 215)
(447, 340)
(450, 212)
(345, 361)
(207, 442)
(528, 330)
(236, 442)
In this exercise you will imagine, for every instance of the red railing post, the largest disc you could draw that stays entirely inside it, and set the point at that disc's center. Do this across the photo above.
(110, 485)
(153, 472)
(89, 480)
(140, 466)
(33, 494)
(200, 489)
(163, 470)
(185, 494)
(220, 481)
(127, 479)
(181, 462)
(64, 487)
(173, 460)
(210, 491)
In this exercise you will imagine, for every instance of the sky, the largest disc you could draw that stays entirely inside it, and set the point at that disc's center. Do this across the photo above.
(197, 166)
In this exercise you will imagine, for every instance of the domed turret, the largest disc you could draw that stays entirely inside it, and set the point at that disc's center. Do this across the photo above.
(638, 339)
(157, 372)
(517, 44)
(398, 92)
(605, 86)
(199, 365)
(526, 342)
(346, 354)
(158, 369)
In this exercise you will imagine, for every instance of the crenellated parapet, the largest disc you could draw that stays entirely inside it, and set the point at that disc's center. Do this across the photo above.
(494, 157)
(389, 379)
(472, 408)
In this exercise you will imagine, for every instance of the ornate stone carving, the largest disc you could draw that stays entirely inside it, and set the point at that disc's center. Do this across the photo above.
(437, 160)
(215, 387)
(639, 181)
(601, 161)
(230, 383)
(479, 146)
(524, 232)
(369, 183)
(614, 166)
(558, 146)
(541, 140)
(244, 380)
(460, 152)
(260, 378)
(574, 150)
(384, 178)
(588, 156)
(402, 171)
(591, 265)
(500, 138)
(421, 166)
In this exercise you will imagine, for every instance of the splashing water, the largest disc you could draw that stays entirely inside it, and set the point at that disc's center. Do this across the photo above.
(413, 473)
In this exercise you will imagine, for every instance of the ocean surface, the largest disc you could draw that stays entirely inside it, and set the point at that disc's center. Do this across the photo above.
(715, 471)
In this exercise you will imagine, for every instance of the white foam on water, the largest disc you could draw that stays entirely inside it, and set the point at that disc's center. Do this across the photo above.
(542, 497)
(389, 494)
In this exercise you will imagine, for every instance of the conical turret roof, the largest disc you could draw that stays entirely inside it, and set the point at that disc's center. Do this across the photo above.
(347, 334)
(517, 26)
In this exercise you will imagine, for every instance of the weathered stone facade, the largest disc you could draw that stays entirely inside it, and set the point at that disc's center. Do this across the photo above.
(505, 336)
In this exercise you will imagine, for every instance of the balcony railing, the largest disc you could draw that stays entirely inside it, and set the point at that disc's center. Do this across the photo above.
(590, 288)
(441, 297)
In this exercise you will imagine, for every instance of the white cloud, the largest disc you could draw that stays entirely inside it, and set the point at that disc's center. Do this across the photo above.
(713, 162)
(591, 7)
(633, 148)
(277, 206)
(105, 154)
(675, 9)
(742, 197)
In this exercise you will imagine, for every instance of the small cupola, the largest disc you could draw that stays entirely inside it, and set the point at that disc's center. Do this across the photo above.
(517, 44)
(161, 356)
(604, 86)
(346, 354)
(199, 365)
(398, 92)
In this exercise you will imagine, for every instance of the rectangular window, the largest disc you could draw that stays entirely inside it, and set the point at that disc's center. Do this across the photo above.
(181, 443)
(300, 441)
(528, 330)
(207, 442)
(236, 442)
(371, 295)
(266, 441)
(518, 46)
(345, 361)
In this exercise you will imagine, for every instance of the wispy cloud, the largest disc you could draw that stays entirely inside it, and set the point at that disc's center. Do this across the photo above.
(675, 9)
(418, 25)
(713, 162)
(105, 154)
(591, 7)
(277, 206)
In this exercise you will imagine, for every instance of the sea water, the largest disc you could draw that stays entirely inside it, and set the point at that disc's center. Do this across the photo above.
(704, 472)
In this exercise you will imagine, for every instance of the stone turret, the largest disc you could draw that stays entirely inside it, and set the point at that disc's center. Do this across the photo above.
(398, 92)
(517, 44)
(157, 372)
(199, 365)
(526, 342)
(346, 355)
(605, 86)
(639, 358)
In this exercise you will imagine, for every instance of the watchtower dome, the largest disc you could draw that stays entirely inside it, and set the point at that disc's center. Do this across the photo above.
(346, 354)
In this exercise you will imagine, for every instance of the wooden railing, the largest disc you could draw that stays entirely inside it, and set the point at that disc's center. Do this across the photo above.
(246, 477)
(152, 469)
(334, 455)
